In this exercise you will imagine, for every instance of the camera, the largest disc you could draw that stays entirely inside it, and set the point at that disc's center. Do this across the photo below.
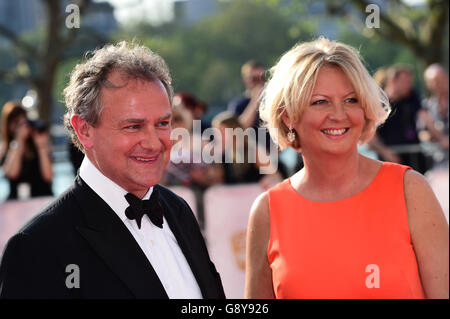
(259, 78)
(38, 126)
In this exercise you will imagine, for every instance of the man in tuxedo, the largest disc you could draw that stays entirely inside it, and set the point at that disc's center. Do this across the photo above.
(115, 233)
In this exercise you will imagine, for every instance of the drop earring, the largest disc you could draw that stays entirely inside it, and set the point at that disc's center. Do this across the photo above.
(291, 134)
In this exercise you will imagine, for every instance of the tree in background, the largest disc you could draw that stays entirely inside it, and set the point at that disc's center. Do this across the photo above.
(34, 58)
(205, 58)
(379, 52)
(423, 29)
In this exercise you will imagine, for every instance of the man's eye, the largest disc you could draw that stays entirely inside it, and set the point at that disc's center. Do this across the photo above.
(164, 123)
(132, 127)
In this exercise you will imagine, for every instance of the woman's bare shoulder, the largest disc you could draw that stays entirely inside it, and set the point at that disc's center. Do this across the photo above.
(416, 185)
(421, 202)
(259, 212)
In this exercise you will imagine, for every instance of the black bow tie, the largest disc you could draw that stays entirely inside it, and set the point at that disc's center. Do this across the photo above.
(152, 207)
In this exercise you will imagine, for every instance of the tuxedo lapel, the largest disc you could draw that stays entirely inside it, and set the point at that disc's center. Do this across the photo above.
(174, 217)
(112, 241)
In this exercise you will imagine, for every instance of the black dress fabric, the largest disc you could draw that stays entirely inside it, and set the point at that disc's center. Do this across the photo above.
(31, 174)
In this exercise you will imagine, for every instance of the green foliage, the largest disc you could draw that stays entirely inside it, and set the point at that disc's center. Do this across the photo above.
(206, 58)
(379, 52)
(62, 79)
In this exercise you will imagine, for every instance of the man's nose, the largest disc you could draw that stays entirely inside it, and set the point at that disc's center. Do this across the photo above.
(150, 139)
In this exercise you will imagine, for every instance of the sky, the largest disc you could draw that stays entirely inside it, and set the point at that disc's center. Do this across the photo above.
(154, 11)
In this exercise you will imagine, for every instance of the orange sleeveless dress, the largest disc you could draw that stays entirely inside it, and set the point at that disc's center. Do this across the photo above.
(358, 247)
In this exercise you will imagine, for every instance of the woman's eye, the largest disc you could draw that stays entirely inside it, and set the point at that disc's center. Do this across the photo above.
(351, 100)
(318, 102)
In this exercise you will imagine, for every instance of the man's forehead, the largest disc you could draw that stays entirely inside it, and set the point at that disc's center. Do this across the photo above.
(119, 86)
(118, 79)
(157, 117)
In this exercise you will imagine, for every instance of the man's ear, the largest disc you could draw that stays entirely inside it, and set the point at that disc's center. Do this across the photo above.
(83, 130)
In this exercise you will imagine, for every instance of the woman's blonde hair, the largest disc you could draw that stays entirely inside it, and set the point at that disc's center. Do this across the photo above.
(292, 83)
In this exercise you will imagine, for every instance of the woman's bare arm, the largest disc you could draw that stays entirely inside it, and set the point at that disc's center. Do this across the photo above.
(258, 280)
(429, 235)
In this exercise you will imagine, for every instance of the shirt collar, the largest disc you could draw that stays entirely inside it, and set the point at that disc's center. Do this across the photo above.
(109, 191)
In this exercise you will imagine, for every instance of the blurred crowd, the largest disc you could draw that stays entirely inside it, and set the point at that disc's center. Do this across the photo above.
(414, 120)
(25, 151)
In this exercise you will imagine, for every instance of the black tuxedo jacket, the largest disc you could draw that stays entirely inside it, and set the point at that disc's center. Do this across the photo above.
(80, 229)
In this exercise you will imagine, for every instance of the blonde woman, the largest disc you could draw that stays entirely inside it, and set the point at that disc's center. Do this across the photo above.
(344, 226)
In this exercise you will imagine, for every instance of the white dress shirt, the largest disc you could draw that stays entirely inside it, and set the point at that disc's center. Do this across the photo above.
(159, 245)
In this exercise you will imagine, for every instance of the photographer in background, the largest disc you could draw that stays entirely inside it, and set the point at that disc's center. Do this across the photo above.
(246, 105)
(25, 154)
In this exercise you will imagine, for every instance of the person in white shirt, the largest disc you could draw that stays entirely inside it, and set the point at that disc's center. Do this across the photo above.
(115, 233)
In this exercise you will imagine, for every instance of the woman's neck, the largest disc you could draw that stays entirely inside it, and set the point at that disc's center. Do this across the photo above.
(329, 177)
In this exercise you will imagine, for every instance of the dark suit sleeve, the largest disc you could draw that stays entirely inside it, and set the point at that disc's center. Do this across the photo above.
(27, 271)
